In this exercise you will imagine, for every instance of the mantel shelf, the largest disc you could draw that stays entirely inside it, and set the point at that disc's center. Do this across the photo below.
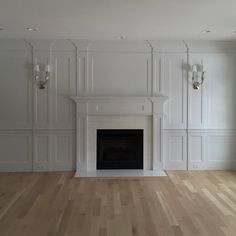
(108, 97)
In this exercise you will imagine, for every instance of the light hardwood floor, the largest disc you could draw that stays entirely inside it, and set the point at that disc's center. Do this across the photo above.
(183, 203)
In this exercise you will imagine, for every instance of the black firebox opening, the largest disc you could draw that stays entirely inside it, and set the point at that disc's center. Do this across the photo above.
(120, 149)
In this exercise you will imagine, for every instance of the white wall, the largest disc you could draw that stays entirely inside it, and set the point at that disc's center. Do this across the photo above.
(37, 127)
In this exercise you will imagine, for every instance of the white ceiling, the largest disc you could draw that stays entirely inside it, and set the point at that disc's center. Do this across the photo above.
(109, 19)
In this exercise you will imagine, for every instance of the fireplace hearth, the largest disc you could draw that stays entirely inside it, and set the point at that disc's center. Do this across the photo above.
(119, 149)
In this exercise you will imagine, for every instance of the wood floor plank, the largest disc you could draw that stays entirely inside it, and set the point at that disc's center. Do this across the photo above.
(180, 204)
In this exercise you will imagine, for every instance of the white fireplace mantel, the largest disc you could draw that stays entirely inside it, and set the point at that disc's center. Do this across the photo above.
(95, 106)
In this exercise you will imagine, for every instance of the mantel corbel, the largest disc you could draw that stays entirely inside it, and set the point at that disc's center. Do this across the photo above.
(158, 104)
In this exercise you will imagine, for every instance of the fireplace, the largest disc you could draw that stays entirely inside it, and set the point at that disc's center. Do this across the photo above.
(98, 115)
(119, 149)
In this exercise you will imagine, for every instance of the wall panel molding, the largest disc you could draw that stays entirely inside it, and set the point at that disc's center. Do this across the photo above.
(64, 84)
(176, 90)
(16, 87)
(15, 150)
(211, 149)
(175, 150)
(42, 151)
(158, 74)
(54, 150)
(113, 73)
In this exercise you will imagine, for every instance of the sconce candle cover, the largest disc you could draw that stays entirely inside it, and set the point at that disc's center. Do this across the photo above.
(198, 76)
(36, 68)
(48, 68)
(194, 68)
(42, 78)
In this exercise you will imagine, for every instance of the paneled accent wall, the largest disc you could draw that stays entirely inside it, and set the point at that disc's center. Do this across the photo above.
(209, 113)
(212, 110)
(37, 127)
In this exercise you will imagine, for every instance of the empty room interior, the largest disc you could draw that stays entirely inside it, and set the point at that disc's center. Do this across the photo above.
(117, 118)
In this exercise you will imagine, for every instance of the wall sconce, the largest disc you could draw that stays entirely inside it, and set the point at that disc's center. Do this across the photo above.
(198, 76)
(42, 78)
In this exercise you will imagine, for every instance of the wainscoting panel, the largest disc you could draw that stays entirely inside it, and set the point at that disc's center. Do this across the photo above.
(175, 150)
(64, 151)
(211, 149)
(54, 150)
(42, 151)
(196, 150)
(221, 150)
(15, 150)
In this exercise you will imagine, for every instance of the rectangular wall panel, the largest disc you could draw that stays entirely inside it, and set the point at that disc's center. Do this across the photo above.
(15, 151)
(196, 150)
(175, 150)
(82, 74)
(42, 151)
(64, 84)
(197, 98)
(42, 97)
(175, 86)
(221, 96)
(54, 150)
(16, 89)
(213, 106)
(64, 151)
(119, 73)
(211, 149)
(158, 73)
(221, 150)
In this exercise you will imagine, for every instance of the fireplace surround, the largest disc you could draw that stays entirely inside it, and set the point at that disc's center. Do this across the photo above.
(112, 112)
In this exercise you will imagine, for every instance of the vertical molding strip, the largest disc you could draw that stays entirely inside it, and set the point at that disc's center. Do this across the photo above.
(152, 68)
(56, 87)
(187, 111)
(32, 103)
